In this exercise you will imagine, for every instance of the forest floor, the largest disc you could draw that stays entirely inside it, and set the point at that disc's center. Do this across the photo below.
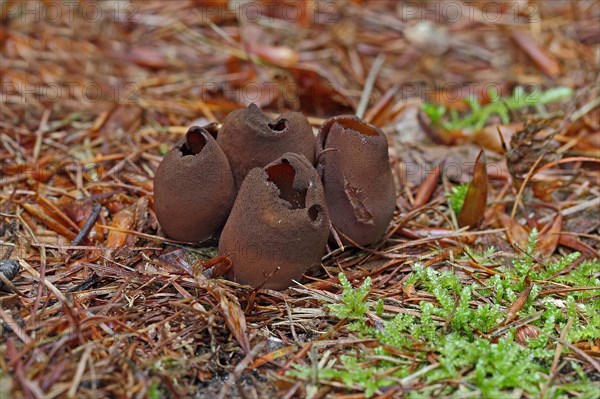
(96, 302)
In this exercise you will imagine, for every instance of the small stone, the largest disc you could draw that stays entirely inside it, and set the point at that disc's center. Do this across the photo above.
(428, 37)
(9, 268)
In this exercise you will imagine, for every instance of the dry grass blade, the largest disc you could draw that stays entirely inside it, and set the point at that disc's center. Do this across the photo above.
(49, 222)
(595, 364)
(538, 55)
(271, 356)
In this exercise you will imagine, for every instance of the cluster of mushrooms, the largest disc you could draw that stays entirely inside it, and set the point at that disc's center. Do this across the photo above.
(273, 191)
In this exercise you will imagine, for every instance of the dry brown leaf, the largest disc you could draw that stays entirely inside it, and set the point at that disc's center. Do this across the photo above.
(515, 233)
(474, 206)
(549, 237)
(518, 304)
(218, 266)
(428, 186)
(544, 189)
(123, 220)
(489, 136)
(144, 56)
(235, 320)
(79, 211)
(318, 94)
(277, 55)
(574, 243)
(526, 332)
(589, 142)
(122, 117)
(141, 213)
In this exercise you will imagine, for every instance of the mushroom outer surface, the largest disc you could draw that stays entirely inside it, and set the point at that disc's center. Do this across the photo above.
(193, 188)
(279, 224)
(250, 139)
(353, 162)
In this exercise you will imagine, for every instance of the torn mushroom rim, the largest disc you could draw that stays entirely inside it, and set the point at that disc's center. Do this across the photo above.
(196, 139)
(213, 129)
(348, 122)
(283, 176)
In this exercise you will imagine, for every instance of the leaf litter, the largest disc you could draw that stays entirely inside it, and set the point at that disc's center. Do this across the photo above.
(95, 302)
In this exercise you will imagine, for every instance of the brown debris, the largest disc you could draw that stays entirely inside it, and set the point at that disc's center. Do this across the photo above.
(92, 102)
(473, 209)
(532, 145)
(540, 57)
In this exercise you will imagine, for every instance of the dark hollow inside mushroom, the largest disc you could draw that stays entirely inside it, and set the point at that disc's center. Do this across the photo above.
(194, 141)
(282, 175)
(278, 126)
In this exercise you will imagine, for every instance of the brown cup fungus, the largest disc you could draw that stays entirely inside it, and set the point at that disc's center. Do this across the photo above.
(279, 224)
(193, 187)
(353, 162)
(250, 139)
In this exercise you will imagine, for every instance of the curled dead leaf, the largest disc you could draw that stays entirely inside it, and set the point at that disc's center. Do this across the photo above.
(518, 304)
(526, 332)
(474, 206)
(549, 237)
(123, 220)
(574, 243)
(217, 267)
(515, 233)
(428, 186)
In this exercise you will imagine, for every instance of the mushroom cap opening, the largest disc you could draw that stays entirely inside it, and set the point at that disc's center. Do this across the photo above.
(315, 212)
(195, 141)
(263, 125)
(282, 175)
(278, 126)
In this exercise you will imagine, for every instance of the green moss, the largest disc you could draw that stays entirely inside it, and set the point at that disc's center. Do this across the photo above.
(457, 197)
(479, 114)
(467, 363)
(154, 391)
